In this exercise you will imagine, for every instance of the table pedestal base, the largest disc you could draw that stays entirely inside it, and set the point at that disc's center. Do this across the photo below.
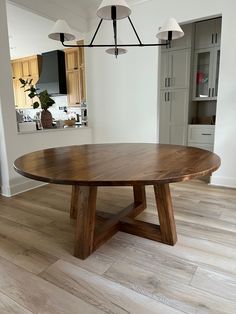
(89, 235)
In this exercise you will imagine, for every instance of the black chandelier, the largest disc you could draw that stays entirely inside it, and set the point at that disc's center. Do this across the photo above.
(116, 10)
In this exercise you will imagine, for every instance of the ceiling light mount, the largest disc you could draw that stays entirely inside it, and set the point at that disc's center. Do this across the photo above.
(116, 10)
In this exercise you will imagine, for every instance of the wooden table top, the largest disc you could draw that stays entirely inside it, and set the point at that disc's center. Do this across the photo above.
(117, 164)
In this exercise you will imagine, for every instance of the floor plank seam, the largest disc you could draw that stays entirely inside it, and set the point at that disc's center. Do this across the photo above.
(20, 305)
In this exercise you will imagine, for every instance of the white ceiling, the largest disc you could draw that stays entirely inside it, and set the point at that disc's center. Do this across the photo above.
(28, 33)
(88, 6)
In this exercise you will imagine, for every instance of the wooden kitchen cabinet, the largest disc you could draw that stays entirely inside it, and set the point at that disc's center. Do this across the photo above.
(16, 69)
(26, 68)
(75, 75)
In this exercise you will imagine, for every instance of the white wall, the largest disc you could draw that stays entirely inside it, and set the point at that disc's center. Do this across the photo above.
(69, 10)
(28, 33)
(12, 145)
(123, 93)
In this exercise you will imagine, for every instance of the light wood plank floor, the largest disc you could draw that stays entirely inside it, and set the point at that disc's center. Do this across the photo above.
(38, 273)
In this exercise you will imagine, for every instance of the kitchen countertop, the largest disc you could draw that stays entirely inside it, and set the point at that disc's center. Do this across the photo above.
(67, 129)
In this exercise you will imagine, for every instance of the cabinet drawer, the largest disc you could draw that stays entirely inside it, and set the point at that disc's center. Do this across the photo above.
(202, 146)
(202, 134)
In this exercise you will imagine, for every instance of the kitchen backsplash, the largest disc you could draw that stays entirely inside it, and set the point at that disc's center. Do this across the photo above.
(57, 110)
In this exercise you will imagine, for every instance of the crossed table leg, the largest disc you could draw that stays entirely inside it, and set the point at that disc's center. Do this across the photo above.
(89, 235)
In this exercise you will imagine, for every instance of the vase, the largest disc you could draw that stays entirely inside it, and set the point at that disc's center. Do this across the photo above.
(46, 119)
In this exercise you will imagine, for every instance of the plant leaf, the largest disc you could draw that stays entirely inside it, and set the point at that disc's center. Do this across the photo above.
(36, 104)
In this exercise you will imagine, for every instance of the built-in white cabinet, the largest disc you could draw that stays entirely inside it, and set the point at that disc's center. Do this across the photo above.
(189, 75)
(201, 136)
(174, 96)
(206, 73)
(208, 33)
(174, 116)
(175, 67)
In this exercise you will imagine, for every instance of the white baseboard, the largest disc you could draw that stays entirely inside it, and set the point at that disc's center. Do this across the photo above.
(20, 185)
(223, 181)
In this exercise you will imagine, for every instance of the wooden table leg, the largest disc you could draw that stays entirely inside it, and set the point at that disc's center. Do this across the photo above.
(165, 212)
(85, 223)
(74, 201)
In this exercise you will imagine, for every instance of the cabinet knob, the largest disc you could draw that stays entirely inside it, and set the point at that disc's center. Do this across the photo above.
(75, 68)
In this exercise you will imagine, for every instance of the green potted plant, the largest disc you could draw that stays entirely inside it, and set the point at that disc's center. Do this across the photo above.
(42, 99)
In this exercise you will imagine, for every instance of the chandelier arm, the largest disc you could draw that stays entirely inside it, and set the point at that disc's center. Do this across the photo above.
(113, 46)
(140, 42)
(95, 34)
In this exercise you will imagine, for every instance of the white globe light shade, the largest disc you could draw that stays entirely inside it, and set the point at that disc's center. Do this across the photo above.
(61, 27)
(122, 9)
(170, 25)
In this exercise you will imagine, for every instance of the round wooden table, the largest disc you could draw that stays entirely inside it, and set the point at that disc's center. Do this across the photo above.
(86, 167)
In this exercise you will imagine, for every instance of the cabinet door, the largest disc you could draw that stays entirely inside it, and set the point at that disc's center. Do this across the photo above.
(82, 84)
(14, 82)
(19, 94)
(179, 68)
(72, 61)
(73, 82)
(34, 66)
(25, 68)
(164, 118)
(178, 116)
(218, 24)
(216, 70)
(16, 69)
(173, 117)
(164, 73)
(205, 34)
(203, 71)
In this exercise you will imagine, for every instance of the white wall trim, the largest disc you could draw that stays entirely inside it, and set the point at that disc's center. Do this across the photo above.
(223, 181)
(19, 186)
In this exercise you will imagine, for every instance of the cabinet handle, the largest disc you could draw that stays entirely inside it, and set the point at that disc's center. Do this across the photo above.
(169, 81)
(212, 38)
(216, 39)
(75, 68)
(165, 96)
(213, 92)
(168, 93)
(165, 81)
(208, 134)
(209, 92)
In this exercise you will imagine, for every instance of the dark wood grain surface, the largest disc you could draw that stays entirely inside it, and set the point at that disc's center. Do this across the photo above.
(117, 164)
